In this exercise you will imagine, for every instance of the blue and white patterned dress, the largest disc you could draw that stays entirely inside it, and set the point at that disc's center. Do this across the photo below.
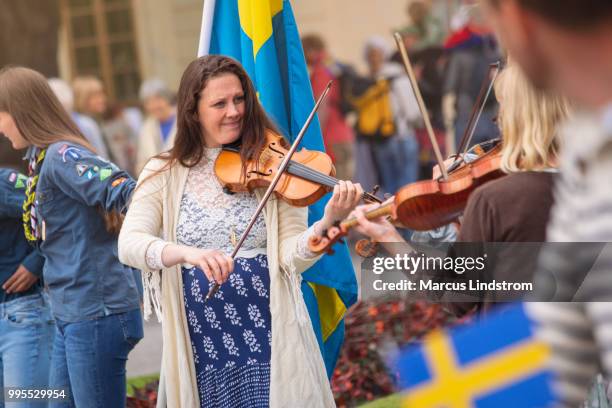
(231, 334)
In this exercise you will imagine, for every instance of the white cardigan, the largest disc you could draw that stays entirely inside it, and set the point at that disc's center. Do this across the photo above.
(298, 377)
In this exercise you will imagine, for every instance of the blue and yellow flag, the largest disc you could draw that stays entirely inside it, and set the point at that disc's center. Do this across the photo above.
(493, 363)
(263, 36)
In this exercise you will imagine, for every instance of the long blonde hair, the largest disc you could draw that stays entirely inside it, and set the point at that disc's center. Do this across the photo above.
(528, 120)
(84, 87)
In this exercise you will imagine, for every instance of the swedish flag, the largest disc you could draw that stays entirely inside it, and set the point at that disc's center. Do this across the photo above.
(495, 362)
(263, 36)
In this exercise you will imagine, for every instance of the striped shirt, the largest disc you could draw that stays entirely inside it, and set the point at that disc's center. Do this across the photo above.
(580, 332)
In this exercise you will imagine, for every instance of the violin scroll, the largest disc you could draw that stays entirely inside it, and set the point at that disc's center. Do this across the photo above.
(323, 244)
(366, 248)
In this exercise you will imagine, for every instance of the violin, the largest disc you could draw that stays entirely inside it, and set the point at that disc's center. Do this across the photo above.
(309, 174)
(426, 204)
(272, 174)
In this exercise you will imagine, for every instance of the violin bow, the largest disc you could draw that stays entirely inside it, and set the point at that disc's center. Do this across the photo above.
(419, 98)
(477, 109)
(275, 180)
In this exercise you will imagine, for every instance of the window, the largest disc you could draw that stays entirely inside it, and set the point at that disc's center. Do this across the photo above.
(101, 42)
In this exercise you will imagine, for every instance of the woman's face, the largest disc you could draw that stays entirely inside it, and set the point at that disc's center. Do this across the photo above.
(8, 128)
(96, 103)
(375, 58)
(158, 107)
(221, 109)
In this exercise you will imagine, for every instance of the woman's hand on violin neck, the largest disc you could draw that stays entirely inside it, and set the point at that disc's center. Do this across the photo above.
(215, 264)
(379, 229)
(345, 197)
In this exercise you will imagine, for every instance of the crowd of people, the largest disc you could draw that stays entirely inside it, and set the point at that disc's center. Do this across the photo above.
(371, 123)
(108, 196)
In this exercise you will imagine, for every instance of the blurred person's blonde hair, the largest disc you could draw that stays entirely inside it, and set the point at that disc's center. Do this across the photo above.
(84, 87)
(529, 120)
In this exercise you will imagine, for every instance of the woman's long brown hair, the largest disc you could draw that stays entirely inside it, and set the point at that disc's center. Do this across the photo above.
(38, 114)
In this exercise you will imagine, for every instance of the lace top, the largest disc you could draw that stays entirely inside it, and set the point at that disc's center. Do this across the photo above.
(209, 218)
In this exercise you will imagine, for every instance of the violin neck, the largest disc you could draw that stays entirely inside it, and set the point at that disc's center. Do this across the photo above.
(304, 172)
(381, 211)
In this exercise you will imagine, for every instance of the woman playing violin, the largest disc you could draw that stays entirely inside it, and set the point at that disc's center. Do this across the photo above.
(252, 344)
(514, 208)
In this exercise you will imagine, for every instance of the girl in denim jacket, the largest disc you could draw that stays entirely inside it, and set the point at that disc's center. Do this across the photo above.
(94, 298)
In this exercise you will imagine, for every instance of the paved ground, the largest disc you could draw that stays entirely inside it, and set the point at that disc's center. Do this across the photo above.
(146, 357)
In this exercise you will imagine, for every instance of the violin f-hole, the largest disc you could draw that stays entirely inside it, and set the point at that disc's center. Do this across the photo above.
(280, 153)
(259, 173)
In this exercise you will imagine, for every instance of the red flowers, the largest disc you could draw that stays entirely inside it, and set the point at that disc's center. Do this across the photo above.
(374, 330)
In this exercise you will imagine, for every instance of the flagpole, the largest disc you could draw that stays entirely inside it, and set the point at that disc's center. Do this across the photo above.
(208, 14)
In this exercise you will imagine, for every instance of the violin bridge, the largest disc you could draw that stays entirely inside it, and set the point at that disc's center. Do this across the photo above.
(263, 159)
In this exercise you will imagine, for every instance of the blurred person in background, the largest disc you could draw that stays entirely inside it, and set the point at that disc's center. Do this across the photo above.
(90, 99)
(86, 124)
(159, 128)
(470, 49)
(134, 118)
(387, 114)
(122, 137)
(429, 30)
(566, 46)
(337, 134)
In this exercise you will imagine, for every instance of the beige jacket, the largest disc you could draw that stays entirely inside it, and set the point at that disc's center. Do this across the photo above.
(298, 377)
(150, 142)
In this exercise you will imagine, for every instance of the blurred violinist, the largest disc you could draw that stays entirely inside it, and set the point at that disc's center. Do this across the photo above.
(243, 346)
(516, 207)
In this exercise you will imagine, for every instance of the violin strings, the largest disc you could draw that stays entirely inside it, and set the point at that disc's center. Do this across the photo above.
(331, 181)
(301, 170)
(306, 172)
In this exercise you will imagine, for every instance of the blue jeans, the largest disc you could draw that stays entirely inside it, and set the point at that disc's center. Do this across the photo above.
(397, 161)
(89, 358)
(26, 334)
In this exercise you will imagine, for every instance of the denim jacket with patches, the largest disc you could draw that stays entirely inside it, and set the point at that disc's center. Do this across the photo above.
(14, 248)
(82, 270)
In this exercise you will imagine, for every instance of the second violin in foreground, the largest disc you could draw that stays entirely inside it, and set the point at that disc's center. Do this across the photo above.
(427, 204)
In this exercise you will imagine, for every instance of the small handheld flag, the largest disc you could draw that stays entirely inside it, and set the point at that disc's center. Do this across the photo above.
(494, 362)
